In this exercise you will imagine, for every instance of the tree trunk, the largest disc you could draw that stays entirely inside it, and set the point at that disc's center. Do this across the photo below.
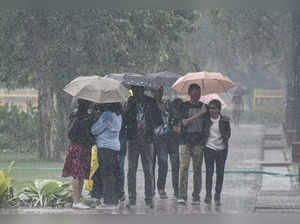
(48, 122)
(64, 106)
(296, 20)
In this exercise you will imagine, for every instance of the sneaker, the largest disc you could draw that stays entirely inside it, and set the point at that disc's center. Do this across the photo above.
(181, 201)
(196, 202)
(106, 206)
(207, 200)
(131, 204)
(162, 194)
(80, 205)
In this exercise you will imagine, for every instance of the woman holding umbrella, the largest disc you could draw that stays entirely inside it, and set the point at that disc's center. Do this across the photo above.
(108, 92)
(107, 130)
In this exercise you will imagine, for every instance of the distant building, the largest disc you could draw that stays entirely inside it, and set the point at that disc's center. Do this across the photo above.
(19, 97)
(268, 100)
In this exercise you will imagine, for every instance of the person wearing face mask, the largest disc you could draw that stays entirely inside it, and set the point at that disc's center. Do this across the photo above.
(191, 146)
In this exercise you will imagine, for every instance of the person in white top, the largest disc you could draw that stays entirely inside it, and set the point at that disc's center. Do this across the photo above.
(217, 133)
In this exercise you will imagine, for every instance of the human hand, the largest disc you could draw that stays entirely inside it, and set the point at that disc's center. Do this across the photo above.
(141, 129)
(177, 129)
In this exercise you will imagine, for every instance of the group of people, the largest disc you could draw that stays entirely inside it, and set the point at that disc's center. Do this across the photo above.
(154, 130)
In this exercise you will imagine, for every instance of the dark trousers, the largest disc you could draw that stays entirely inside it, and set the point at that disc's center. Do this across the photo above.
(110, 175)
(123, 151)
(97, 191)
(214, 157)
(138, 147)
(162, 148)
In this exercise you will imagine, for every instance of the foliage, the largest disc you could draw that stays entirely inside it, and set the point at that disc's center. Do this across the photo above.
(251, 46)
(45, 193)
(60, 45)
(46, 49)
(19, 129)
(6, 190)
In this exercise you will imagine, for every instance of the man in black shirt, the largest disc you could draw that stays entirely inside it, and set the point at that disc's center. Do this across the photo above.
(142, 116)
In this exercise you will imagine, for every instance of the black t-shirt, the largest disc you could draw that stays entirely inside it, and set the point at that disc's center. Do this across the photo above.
(192, 134)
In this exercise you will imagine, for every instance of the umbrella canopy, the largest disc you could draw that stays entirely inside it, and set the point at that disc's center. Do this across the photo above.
(213, 96)
(130, 79)
(163, 78)
(97, 89)
(210, 82)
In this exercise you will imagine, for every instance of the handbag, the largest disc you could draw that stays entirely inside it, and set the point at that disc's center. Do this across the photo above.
(88, 184)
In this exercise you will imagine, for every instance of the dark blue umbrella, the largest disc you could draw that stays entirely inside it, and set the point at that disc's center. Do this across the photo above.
(131, 79)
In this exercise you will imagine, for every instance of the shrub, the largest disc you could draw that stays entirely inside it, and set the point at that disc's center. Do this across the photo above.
(45, 193)
(19, 129)
(6, 190)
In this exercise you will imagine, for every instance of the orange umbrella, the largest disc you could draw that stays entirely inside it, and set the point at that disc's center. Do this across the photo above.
(210, 82)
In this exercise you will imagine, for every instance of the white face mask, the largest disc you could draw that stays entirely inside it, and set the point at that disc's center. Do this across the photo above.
(89, 111)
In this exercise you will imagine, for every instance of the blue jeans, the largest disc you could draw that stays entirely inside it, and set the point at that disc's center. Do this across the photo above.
(162, 148)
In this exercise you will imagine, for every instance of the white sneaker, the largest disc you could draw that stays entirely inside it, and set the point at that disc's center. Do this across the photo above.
(80, 205)
(181, 201)
(105, 206)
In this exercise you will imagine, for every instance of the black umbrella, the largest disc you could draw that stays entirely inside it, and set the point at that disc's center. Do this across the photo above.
(165, 78)
(131, 79)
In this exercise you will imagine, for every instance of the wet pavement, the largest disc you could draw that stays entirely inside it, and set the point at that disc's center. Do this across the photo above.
(278, 193)
(252, 148)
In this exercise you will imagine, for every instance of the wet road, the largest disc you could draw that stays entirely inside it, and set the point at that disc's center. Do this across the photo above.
(239, 190)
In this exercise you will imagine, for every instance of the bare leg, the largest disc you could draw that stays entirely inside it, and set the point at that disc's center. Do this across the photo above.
(77, 185)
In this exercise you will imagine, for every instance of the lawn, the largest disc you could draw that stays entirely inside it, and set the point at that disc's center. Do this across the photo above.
(28, 167)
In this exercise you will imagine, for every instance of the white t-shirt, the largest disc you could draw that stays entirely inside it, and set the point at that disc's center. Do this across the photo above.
(215, 140)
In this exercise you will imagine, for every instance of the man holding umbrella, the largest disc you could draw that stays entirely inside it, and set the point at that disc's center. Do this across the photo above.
(192, 144)
(142, 116)
(195, 84)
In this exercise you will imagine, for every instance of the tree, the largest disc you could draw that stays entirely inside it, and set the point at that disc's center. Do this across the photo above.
(47, 49)
(296, 76)
(250, 46)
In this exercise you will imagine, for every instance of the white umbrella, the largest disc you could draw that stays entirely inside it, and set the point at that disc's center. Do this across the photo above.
(97, 89)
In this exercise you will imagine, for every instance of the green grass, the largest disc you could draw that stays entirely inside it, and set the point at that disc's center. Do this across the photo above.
(30, 162)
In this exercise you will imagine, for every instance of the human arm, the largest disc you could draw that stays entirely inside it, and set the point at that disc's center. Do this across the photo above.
(101, 124)
(189, 120)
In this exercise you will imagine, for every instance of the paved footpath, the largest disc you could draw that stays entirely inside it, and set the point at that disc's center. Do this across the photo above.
(277, 193)
(239, 191)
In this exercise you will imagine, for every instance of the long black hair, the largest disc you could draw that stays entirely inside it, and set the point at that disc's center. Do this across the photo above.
(217, 103)
(83, 106)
